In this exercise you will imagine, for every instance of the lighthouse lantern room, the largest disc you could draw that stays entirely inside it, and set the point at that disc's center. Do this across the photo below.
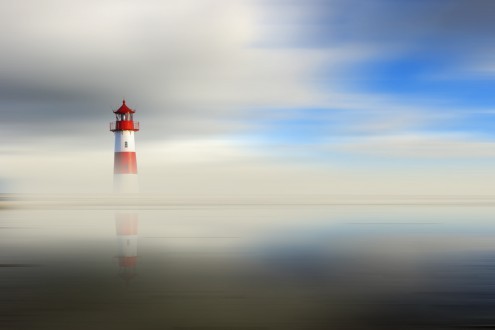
(125, 164)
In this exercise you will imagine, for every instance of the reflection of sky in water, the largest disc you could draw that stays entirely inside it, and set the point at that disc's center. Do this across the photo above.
(248, 267)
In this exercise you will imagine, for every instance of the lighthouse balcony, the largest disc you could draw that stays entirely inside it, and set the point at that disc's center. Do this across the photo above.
(124, 125)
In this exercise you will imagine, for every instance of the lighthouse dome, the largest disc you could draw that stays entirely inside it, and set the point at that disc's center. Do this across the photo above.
(124, 109)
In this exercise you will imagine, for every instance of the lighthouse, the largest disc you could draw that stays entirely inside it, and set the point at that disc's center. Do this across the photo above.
(125, 178)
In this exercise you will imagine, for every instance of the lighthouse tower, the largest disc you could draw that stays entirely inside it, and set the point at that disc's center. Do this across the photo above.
(125, 178)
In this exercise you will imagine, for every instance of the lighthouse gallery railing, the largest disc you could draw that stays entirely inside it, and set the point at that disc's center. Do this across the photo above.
(124, 125)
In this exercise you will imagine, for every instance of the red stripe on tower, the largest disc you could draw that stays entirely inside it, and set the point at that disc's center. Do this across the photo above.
(125, 164)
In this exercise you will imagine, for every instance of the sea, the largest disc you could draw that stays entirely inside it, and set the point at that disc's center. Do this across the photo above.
(264, 262)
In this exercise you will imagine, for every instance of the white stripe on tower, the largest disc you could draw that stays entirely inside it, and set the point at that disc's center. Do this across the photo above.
(125, 165)
(124, 142)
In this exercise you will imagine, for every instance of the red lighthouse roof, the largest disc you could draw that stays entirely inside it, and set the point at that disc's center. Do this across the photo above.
(124, 109)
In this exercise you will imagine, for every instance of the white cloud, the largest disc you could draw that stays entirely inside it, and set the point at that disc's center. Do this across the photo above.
(196, 70)
(433, 146)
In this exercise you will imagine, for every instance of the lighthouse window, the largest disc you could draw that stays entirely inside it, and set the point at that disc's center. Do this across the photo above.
(125, 144)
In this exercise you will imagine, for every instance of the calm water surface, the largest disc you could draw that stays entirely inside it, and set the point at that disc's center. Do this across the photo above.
(248, 267)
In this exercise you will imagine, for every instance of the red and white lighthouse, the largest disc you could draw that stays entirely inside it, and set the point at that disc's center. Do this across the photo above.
(125, 179)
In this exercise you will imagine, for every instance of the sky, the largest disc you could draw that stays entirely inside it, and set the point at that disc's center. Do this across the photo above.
(250, 97)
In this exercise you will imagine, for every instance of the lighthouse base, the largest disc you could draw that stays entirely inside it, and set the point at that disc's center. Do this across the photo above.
(125, 183)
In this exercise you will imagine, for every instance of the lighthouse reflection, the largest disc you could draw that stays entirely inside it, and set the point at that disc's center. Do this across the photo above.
(126, 224)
